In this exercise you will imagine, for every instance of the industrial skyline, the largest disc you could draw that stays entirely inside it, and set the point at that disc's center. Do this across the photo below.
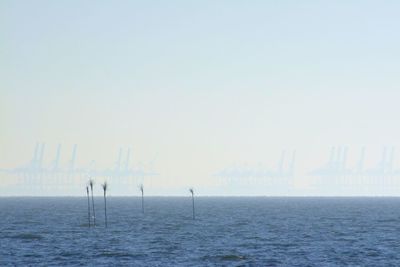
(280, 177)
(55, 175)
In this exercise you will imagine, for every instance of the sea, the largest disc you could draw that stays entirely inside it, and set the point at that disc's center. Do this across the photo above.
(226, 231)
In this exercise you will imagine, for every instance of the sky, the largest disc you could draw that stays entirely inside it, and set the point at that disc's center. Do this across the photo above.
(195, 87)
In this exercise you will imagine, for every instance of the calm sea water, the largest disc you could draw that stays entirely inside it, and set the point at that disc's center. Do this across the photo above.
(226, 232)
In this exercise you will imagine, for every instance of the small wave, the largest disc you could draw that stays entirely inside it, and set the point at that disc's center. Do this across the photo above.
(119, 255)
(392, 220)
(232, 257)
(69, 254)
(27, 236)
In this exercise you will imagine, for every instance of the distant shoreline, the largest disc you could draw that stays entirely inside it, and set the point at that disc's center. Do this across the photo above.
(183, 196)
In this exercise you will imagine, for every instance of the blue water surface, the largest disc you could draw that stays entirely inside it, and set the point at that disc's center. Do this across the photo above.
(227, 231)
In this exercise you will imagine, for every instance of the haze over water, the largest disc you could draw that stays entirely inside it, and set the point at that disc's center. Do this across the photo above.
(199, 90)
(295, 99)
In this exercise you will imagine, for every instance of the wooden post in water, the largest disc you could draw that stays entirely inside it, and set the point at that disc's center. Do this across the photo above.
(105, 202)
(192, 192)
(141, 190)
(88, 203)
(94, 214)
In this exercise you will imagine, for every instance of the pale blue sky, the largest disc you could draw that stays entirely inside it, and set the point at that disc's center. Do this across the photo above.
(195, 87)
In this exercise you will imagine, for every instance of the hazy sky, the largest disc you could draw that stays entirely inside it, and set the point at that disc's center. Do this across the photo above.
(194, 87)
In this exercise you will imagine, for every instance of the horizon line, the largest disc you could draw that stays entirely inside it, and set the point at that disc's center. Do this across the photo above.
(211, 196)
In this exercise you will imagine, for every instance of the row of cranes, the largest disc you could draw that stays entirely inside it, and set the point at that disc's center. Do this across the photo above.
(336, 165)
(282, 173)
(36, 167)
(36, 164)
(334, 171)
